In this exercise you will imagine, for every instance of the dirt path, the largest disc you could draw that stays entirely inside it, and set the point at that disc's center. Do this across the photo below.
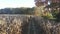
(32, 27)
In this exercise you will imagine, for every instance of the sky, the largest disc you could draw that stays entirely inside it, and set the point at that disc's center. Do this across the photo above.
(16, 3)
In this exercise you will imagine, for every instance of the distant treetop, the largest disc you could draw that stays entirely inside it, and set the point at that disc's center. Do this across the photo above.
(45, 2)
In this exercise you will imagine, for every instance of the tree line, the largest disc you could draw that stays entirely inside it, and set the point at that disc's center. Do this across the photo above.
(21, 10)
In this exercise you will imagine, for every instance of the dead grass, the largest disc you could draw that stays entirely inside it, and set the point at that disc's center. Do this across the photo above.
(15, 26)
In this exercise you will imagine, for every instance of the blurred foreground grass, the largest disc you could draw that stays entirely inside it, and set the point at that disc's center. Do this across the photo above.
(18, 24)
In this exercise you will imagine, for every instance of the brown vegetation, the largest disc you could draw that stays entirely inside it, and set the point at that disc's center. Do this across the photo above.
(12, 24)
(19, 25)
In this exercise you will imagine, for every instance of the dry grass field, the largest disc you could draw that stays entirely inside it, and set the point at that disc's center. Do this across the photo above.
(24, 24)
(12, 24)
